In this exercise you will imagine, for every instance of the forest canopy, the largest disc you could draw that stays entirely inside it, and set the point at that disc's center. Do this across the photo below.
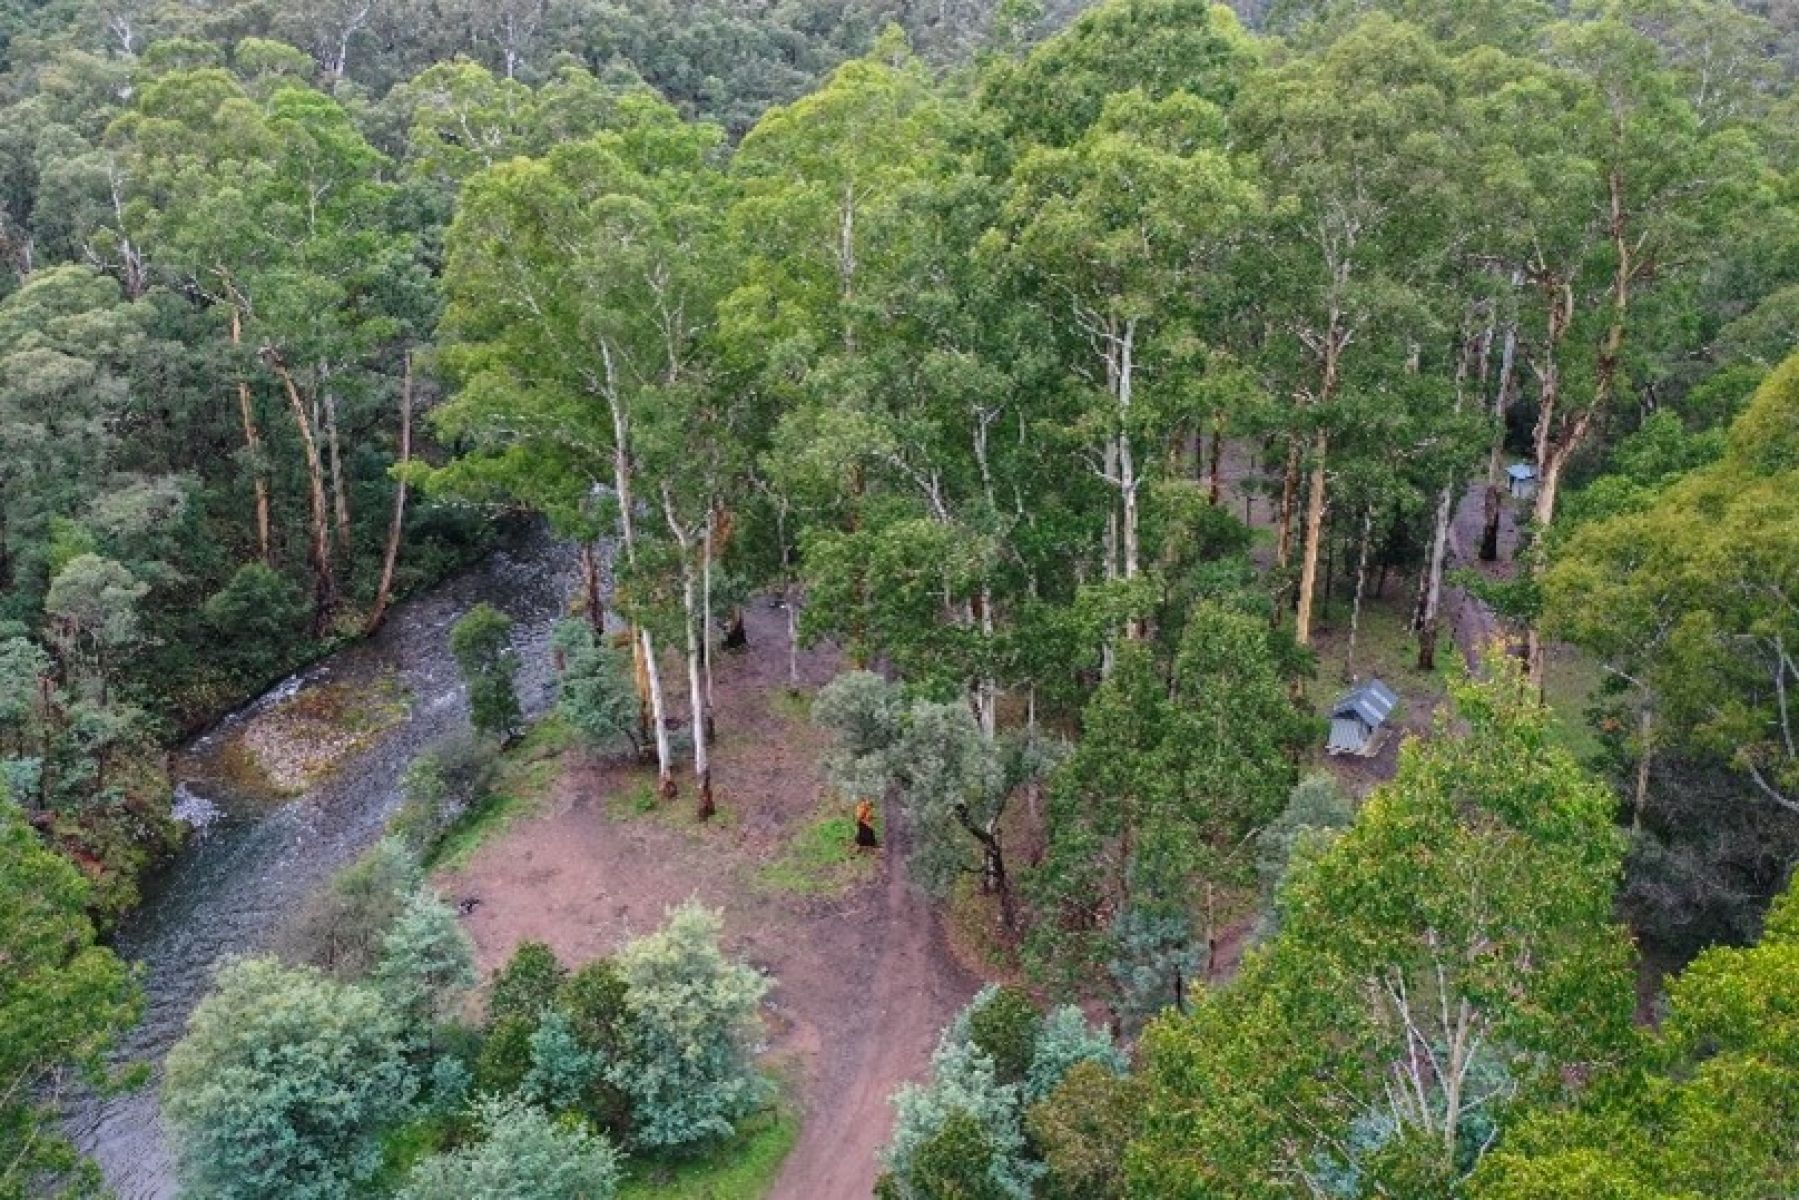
(1082, 375)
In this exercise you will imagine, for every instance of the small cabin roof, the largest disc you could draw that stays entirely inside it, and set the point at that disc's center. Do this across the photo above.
(1521, 471)
(1371, 703)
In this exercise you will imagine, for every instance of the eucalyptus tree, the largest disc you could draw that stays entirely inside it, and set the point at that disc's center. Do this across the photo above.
(1452, 950)
(277, 212)
(692, 434)
(1149, 821)
(1689, 597)
(576, 285)
(1357, 149)
(1600, 177)
(1123, 235)
(821, 330)
(1698, 1111)
(1055, 94)
(68, 344)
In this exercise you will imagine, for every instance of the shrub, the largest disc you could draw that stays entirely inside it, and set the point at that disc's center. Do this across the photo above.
(1003, 1024)
(954, 1163)
(593, 1000)
(505, 1056)
(596, 694)
(561, 1068)
(865, 713)
(963, 1091)
(441, 785)
(282, 1083)
(688, 1055)
(258, 616)
(427, 961)
(1066, 1041)
(527, 984)
(1081, 1130)
(481, 642)
(525, 1153)
(341, 929)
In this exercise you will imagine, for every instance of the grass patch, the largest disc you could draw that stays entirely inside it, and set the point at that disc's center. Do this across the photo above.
(1570, 679)
(523, 779)
(974, 928)
(821, 859)
(742, 1167)
(1386, 649)
(404, 1146)
(792, 706)
(636, 799)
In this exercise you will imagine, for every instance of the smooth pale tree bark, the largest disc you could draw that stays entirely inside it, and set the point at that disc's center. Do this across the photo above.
(1329, 349)
(689, 540)
(340, 499)
(1561, 435)
(390, 557)
(1128, 482)
(1503, 395)
(324, 581)
(1361, 587)
(708, 549)
(1558, 436)
(253, 447)
(1431, 611)
(1314, 539)
(648, 673)
(1431, 595)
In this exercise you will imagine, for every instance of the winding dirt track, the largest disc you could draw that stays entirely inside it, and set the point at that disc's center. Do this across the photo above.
(863, 982)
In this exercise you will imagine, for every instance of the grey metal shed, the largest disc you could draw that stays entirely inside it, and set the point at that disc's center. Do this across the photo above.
(1358, 716)
(1521, 480)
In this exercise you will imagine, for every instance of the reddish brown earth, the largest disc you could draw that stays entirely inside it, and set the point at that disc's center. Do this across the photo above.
(863, 981)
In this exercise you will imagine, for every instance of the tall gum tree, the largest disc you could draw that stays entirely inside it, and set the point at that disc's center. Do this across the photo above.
(1117, 233)
(276, 210)
(1354, 144)
(572, 285)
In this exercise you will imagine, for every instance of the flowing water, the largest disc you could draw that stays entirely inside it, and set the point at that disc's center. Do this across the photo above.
(251, 863)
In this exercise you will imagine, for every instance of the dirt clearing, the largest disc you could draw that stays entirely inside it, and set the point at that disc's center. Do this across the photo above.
(863, 978)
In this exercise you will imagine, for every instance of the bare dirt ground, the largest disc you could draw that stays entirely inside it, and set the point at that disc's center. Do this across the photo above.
(863, 980)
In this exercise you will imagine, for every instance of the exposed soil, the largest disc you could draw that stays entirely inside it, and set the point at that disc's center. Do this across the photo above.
(1473, 623)
(863, 980)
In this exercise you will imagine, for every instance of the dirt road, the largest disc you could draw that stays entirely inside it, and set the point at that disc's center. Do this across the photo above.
(863, 982)
(1473, 622)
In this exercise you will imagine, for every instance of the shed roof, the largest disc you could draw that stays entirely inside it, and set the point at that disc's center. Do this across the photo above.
(1521, 471)
(1371, 703)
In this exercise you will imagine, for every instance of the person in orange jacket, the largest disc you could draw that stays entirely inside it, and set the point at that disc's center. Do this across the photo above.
(865, 825)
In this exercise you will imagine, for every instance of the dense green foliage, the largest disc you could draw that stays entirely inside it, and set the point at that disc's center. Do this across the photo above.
(522, 1152)
(1452, 950)
(62, 1001)
(963, 1133)
(293, 1082)
(481, 641)
(955, 335)
(1685, 586)
(1703, 1109)
(691, 1021)
(283, 1082)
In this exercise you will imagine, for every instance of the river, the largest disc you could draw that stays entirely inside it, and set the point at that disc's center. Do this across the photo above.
(249, 864)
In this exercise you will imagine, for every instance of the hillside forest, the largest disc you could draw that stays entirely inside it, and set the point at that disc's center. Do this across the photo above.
(1104, 391)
